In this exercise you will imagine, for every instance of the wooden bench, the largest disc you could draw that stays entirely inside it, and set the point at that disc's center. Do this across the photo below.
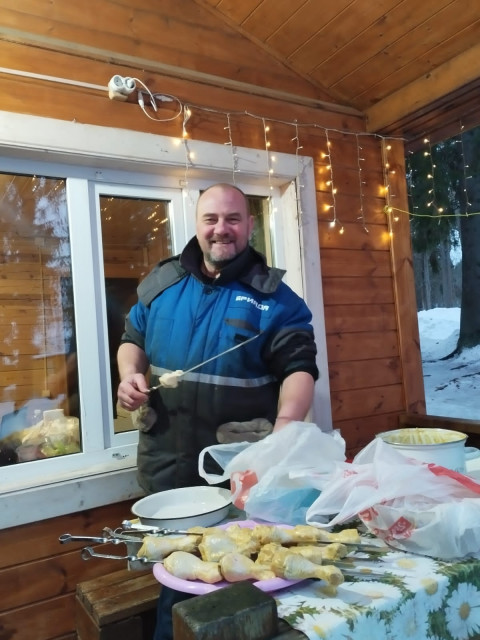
(122, 605)
(117, 605)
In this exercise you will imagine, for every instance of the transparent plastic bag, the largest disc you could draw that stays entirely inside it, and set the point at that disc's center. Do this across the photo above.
(276, 479)
(413, 506)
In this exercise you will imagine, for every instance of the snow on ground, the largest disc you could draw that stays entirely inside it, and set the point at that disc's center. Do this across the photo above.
(452, 386)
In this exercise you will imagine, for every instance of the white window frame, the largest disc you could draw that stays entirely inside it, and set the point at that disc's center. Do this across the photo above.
(98, 159)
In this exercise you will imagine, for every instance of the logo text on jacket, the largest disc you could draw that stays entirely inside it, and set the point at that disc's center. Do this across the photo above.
(261, 307)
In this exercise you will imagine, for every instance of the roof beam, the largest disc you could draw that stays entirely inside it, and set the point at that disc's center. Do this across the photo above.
(153, 66)
(444, 79)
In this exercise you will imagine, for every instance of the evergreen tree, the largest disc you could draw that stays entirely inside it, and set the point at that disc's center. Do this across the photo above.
(444, 186)
(470, 239)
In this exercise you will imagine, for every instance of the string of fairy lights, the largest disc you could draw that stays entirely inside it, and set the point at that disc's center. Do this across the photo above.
(438, 209)
(185, 112)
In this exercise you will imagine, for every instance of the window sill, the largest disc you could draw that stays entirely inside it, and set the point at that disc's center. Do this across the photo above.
(24, 506)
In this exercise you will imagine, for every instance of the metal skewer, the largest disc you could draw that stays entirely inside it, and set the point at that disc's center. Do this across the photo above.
(88, 552)
(219, 355)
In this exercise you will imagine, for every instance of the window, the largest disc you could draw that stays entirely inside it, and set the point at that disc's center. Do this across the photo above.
(38, 323)
(77, 241)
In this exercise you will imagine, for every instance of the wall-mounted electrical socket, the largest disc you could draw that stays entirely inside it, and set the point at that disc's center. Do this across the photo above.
(119, 88)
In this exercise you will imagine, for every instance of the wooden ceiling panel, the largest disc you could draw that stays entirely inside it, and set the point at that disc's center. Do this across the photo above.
(377, 52)
(350, 25)
(416, 54)
(397, 78)
(309, 24)
(268, 17)
(364, 54)
(235, 10)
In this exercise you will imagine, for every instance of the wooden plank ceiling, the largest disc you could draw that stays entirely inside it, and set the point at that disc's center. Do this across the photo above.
(413, 68)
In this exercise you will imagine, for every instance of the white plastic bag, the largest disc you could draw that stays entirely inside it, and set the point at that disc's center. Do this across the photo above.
(417, 507)
(276, 479)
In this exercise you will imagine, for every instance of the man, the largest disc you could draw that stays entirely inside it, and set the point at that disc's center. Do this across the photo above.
(217, 294)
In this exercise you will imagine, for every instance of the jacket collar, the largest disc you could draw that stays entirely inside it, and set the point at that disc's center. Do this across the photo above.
(249, 267)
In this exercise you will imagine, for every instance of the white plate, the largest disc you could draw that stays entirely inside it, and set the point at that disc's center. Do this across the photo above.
(198, 587)
(183, 508)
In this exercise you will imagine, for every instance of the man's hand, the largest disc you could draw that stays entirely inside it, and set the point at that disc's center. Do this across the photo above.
(133, 391)
(133, 388)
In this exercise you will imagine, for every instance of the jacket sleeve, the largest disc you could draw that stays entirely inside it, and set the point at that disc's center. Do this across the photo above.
(292, 345)
(135, 325)
(292, 349)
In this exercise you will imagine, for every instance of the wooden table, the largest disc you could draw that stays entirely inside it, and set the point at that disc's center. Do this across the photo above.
(399, 595)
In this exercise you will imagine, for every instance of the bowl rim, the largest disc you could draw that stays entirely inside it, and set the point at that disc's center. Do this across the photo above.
(224, 493)
(389, 437)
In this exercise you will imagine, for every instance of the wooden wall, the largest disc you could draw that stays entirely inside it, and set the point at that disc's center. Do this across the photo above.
(38, 574)
(370, 311)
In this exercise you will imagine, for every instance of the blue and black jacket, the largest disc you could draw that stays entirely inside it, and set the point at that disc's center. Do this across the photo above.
(183, 318)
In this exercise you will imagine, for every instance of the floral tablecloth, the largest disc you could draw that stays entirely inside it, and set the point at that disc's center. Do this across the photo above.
(397, 596)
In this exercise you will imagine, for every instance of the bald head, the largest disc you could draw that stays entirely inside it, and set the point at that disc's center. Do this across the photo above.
(224, 225)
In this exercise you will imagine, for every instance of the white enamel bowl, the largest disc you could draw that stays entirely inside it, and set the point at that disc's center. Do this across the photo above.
(443, 447)
(183, 508)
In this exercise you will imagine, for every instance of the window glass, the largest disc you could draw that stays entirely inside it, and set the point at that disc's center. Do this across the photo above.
(39, 399)
(260, 239)
(136, 236)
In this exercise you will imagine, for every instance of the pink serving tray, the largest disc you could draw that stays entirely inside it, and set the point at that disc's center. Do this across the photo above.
(197, 587)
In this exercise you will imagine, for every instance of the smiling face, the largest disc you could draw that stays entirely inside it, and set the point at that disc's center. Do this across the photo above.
(224, 225)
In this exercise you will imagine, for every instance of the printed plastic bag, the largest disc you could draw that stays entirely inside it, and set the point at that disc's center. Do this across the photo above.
(417, 507)
(276, 479)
